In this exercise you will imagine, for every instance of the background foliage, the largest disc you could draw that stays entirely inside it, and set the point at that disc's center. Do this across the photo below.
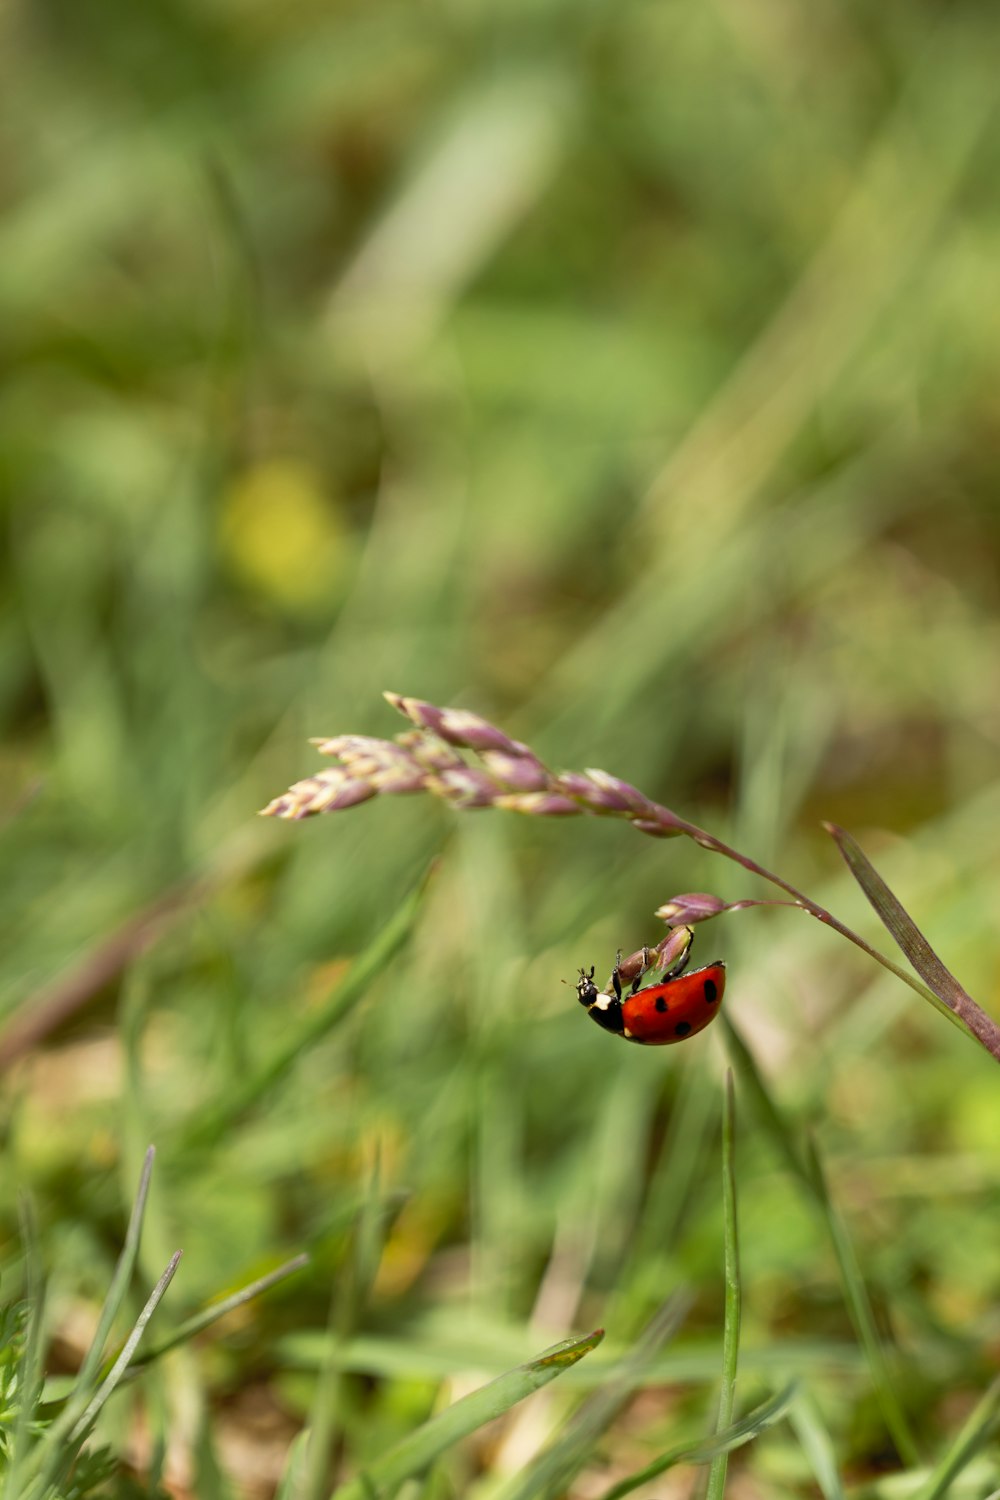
(627, 373)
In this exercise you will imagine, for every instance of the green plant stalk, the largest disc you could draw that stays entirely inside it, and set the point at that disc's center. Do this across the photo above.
(860, 1308)
(980, 1426)
(808, 1173)
(347, 1306)
(709, 1449)
(731, 1332)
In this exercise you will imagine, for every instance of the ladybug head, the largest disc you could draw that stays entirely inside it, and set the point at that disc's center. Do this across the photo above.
(586, 989)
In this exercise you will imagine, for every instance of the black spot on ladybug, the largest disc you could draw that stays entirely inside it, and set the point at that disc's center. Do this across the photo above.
(711, 990)
(682, 1028)
(661, 1005)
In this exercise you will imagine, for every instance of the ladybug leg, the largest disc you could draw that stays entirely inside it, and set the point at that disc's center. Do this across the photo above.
(637, 981)
(616, 982)
(680, 963)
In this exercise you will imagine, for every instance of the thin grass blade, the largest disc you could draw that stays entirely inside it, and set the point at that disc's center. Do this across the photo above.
(550, 1473)
(983, 1422)
(766, 1112)
(347, 1306)
(808, 1171)
(122, 1276)
(295, 1468)
(417, 1452)
(209, 1315)
(347, 994)
(947, 995)
(47, 1451)
(709, 1449)
(31, 1360)
(63, 1439)
(816, 1443)
(121, 1364)
(860, 1308)
(731, 1332)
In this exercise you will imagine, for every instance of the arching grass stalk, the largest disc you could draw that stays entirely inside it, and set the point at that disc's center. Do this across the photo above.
(507, 774)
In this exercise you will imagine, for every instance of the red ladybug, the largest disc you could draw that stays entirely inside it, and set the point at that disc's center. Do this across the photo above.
(677, 1006)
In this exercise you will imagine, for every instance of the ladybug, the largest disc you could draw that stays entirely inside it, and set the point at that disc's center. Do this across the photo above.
(676, 1006)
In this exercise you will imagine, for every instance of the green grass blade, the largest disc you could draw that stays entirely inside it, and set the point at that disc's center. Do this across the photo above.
(209, 1315)
(860, 1308)
(764, 1108)
(295, 1468)
(981, 1425)
(731, 1333)
(549, 1473)
(30, 1378)
(946, 994)
(816, 1443)
(709, 1450)
(48, 1452)
(121, 1364)
(62, 1442)
(122, 1276)
(490, 1348)
(416, 1452)
(810, 1174)
(345, 996)
(347, 1306)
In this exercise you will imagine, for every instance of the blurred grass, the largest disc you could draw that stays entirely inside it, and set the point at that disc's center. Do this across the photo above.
(628, 373)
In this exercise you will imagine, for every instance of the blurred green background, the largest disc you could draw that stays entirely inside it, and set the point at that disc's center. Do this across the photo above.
(627, 373)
